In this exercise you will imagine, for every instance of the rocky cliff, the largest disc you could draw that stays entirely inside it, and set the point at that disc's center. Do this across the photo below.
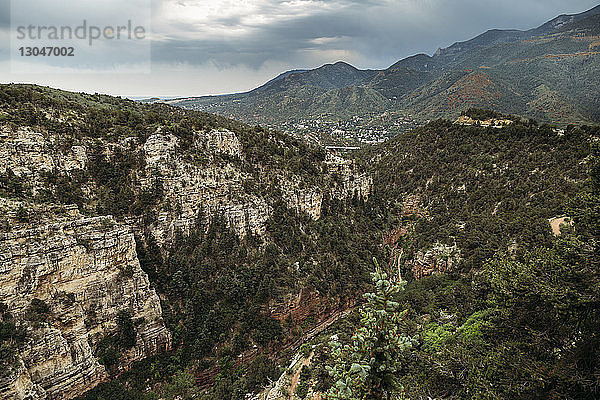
(206, 183)
(84, 271)
(210, 182)
(107, 204)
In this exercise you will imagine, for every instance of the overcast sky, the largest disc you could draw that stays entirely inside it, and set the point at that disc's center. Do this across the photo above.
(221, 46)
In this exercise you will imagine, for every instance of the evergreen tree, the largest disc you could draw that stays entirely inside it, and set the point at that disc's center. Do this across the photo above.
(367, 368)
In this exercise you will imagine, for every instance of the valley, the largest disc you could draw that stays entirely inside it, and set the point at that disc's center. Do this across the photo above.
(426, 231)
(229, 247)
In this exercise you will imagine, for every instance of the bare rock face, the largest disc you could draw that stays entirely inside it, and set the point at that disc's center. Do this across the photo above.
(198, 179)
(207, 182)
(347, 183)
(18, 385)
(221, 141)
(350, 183)
(440, 258)
(308, 200)
(196, 185)
(85, 271)
(25, 151)
(28, 153)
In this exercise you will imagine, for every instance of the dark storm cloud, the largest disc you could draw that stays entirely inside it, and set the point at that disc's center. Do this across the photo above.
(220, 46)
(281, 40)
(375, 33)
(284, 38)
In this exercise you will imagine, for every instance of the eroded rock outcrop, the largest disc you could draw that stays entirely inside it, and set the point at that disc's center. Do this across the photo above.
(205, 183)
(307, 200)
(350, 182)
(438, 259)
(85, 271)
(29, 153)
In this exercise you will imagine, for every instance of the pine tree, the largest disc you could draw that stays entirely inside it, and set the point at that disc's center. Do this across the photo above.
(367, 368)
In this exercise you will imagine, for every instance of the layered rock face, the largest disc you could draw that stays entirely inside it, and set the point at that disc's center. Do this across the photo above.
(85, 271)
(347, 183)
(350, 182)
(207, 183)
(307, 200)
(202, 180)
(28, 153)
(25, 151)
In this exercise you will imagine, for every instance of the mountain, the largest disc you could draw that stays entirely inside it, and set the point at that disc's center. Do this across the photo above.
(331, 89)
(528, 73)
(328, 77)
(564, 20)
(492, 37)
(284, 74)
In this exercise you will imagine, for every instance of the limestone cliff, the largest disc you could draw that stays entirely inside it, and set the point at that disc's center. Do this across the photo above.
(204, 179)
(206, 182)
(347, 182)
(350, 182)
(210, 182)
(85, 180)
(86, 271)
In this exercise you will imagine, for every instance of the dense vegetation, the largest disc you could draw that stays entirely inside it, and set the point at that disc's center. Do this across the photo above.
(517, 317)
(484, 189)
(367, 367)
(520, 326)
(12, 336)
(216, 288)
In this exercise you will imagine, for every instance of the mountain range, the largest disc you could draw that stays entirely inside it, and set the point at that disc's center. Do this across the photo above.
(530, 73)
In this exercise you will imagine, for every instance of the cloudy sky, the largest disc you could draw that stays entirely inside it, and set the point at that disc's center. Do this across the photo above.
(220, 46)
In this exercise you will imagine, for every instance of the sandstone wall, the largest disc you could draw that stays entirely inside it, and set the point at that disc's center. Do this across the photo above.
(86, 271)
(204, 185)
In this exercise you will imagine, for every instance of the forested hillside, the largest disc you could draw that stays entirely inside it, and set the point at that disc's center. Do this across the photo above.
(481, 189)
(520, 325)
(244, 243)
(233, 226)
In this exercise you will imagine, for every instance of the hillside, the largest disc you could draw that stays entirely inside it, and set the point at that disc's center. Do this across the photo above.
(496, 190)
(466, 221)
(500, 307)
(528, 73)
(153, 251)
(131, 229)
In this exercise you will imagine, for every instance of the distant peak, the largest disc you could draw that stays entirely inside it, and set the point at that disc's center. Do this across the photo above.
(339, 64)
